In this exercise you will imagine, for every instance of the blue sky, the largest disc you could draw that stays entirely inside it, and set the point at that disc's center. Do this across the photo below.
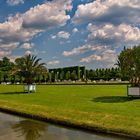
(69, 32)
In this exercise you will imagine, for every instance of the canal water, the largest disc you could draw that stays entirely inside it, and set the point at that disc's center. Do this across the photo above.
(18, 128)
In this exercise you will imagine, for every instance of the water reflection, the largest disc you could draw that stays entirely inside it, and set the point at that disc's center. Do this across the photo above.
(31, 130)
(17, 128)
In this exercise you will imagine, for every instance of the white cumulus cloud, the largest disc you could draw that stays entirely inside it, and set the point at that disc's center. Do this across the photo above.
(110, 33)
(37, 19)
(75, 30)
(82, 49)
(63, 34)
(53, 62)
(4, 53)
(28, 52)
(27, 45)
(91, 58)
(15, 2)
(45, 16)
(107, 57)
(113, 11)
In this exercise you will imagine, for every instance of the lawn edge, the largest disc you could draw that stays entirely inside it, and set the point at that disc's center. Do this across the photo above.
(70, 124)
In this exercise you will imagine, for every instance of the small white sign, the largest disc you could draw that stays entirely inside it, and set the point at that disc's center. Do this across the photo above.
(30, 88)
(133, 91)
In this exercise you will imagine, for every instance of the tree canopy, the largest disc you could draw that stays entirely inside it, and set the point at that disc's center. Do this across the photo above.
(129, 63)
(29, 67)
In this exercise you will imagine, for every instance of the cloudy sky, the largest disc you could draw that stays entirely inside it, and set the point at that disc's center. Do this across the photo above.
(69, 32)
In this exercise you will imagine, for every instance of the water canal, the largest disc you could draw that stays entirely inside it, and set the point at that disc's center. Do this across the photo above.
(18, 128)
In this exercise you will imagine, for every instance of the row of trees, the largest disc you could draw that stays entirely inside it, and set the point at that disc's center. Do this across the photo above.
(104, 74)
(68, 73)
(27, 69)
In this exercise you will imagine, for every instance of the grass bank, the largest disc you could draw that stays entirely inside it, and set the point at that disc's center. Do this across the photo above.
(103, 108)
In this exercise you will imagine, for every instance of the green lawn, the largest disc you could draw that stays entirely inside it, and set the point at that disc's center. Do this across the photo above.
(104, 107)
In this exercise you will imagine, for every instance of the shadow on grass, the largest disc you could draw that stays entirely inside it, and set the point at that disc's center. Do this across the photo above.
(114, 99)
(10, 93)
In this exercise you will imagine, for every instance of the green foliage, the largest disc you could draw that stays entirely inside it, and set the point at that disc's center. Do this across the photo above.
(29, 67)
(73, 76)
(65, 73)
(24, 67)
(104, 74)
(68, 75)
(5, 69)
(129, 63)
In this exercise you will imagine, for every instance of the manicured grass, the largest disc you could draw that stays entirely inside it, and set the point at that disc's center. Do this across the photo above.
(102, 107)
